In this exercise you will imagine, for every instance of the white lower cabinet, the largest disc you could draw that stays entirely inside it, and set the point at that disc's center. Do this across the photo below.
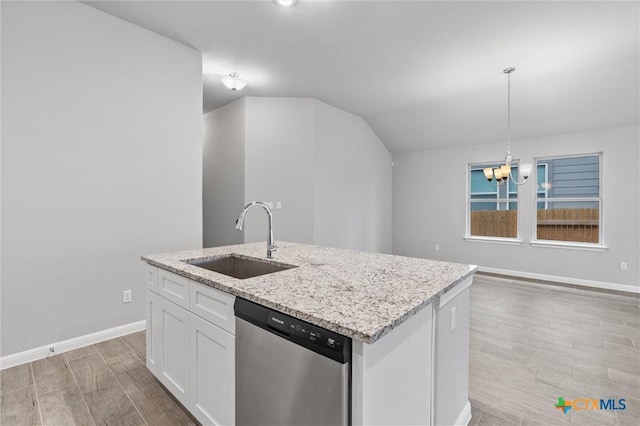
(191, 356)
(170, 346)
(451, 387)
(212, 373)
(153, 333)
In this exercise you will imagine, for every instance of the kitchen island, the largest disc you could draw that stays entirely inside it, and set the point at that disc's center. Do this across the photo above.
(408, 319)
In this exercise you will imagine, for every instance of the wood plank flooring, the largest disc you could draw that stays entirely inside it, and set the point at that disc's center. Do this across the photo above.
(102, 384)
(529, 344)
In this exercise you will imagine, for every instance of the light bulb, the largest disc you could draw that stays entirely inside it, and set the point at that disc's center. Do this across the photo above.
(488, 173)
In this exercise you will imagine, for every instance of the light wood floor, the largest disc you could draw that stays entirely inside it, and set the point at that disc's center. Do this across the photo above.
(530, 344)
(102, 384)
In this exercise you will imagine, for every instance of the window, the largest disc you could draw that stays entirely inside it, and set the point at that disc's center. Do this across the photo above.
(493, 209)
(568, 199)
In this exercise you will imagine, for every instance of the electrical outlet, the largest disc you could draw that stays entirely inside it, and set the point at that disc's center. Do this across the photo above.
(437, 247)
(453, 320)
(126, 296)
(624, 266)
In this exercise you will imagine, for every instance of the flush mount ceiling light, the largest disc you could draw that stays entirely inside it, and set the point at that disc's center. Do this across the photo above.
(286, 2)
(234, 82)
(503, 173)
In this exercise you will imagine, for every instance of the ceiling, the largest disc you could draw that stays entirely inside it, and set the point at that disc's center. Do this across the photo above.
(423, 74)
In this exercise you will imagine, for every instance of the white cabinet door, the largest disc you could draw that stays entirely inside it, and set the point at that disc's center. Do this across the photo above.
(154, 332)
(172, 359)
(212, 373)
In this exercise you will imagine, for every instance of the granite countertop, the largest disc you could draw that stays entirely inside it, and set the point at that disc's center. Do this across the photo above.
(357, 294)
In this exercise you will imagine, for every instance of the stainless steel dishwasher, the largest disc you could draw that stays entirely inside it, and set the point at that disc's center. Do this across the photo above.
(289, 372)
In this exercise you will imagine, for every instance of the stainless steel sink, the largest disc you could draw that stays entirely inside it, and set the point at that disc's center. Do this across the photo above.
(240, 267)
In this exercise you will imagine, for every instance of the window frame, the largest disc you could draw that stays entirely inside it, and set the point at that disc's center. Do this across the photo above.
(483, 238)
(546, 190)
(600, 246)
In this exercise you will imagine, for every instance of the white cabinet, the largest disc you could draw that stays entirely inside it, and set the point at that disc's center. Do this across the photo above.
(451, 386)
(212, 373)
(418, 373)
(154, 333)
(391, 378)
(191, 344)
(170, 345)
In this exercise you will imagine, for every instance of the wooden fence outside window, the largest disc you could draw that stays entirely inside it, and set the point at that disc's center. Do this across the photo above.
(576, 225)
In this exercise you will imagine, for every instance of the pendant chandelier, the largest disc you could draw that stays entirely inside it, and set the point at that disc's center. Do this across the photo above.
(503, 173)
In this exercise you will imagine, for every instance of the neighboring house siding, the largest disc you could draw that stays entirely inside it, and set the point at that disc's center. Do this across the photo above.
(573, 177)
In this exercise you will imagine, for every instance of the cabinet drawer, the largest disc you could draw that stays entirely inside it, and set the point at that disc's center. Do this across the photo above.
(151, 277)
(213, 305)
(173, 287)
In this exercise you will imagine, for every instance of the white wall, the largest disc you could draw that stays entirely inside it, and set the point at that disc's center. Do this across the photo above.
(223, 174)
(352, 175)
(429, 207)
(101, 163)
(327, 168)
(278, 167)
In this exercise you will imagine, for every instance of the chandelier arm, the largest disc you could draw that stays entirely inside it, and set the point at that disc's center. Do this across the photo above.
(516, 182)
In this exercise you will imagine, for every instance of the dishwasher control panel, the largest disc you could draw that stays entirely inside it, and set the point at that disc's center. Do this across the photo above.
(306, 331)
(318, 339)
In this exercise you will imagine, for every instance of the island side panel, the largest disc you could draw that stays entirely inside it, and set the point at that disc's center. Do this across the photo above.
(392, 378)
(451, 392)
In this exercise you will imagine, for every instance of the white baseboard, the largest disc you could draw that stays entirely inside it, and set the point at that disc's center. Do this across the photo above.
(465, 415)
(67, 345)
(563, 280)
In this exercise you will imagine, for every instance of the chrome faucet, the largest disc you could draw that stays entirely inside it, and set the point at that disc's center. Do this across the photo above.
(271, 247)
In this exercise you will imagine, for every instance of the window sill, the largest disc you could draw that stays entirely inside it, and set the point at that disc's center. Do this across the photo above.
(568, 245)
(494, 240)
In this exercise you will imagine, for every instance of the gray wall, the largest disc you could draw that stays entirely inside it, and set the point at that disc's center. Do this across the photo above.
(101, 163)
(278, 167)
(223, 174)
(327, 168)
(352, 175)
(429, 207)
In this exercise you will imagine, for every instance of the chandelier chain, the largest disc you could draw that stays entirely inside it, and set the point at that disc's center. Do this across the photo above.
(509, 113)
(503, 173)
